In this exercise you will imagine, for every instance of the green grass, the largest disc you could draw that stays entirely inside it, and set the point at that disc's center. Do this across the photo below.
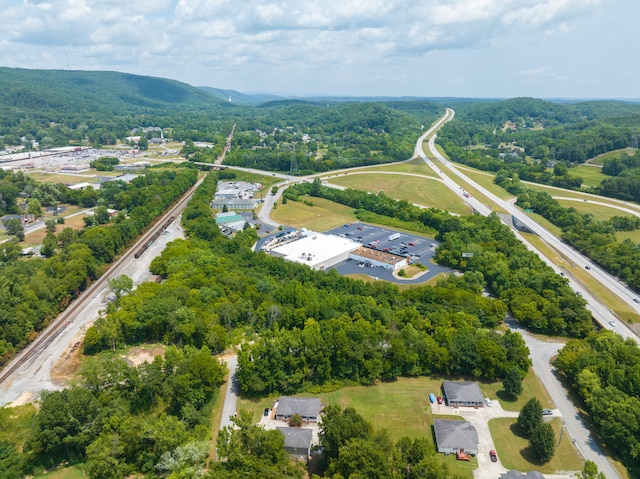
(514, 453)
(484, 179)
(416, 166)
(423, 191)
(599, 160)
(15, 424)
(72, 472)
(531, 387)
(591, 175)
(322, 216)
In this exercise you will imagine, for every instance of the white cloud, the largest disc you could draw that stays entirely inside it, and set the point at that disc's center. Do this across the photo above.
(384, 42)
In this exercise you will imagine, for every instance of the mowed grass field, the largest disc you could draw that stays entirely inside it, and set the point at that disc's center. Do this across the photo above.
(322, 216)
(69, 179)
(415, 189)
(416, 166)
(591, 175)
(402, 408)
(599, 160)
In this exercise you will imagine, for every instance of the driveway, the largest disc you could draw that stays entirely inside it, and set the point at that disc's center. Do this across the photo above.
(480, 418)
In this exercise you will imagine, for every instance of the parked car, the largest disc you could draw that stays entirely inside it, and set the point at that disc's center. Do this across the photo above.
(547, 412)
(493, 456)
(432, 398)
(440, 400)
(488, 402)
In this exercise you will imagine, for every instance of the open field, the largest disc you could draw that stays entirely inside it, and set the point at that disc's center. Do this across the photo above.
(416, 166)
(599, 160)
(591, 175)
(514, 453)
(37, 237)
(322, 216)
(70, 179)
(414, 189)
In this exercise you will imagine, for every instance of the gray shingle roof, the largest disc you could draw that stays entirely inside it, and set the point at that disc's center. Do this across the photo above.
(295, 437)
(305, 407)
(462, 392)
(455, 435)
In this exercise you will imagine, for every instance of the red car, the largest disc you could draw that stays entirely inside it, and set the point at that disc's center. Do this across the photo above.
(411, 244)
(440, 400)
(493, 456)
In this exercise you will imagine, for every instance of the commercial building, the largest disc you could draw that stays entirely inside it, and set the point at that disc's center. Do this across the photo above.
(378, 258)
(235, 204)
(316, 250)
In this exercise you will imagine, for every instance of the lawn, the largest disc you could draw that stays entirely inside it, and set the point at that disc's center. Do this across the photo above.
(514, 453)
(599, 160)
(591, 175)
(416, 166)
(323, 215)
(531, 387)
(421, 190)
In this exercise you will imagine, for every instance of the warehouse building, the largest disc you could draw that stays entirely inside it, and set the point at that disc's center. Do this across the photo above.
(316, 250)
(378, 258)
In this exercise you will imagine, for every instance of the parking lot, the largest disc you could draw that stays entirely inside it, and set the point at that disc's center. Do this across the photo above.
(419, 249)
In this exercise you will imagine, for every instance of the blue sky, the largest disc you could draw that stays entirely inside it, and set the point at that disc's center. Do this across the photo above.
(459, 48)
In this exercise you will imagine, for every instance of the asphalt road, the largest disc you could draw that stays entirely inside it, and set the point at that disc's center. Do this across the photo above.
(229, 407)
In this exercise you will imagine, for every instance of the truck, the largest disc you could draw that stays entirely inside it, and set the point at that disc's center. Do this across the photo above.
(394, 236)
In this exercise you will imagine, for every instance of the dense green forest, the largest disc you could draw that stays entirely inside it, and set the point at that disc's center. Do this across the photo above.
(34, 291)
(604, 371)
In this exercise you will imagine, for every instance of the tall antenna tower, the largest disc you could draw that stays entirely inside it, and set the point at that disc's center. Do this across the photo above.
(634, 139)
(293, 169)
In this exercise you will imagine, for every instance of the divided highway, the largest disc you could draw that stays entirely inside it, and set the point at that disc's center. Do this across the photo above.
(541, 352)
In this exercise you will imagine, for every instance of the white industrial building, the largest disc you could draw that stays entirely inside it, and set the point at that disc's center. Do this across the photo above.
(316, 250)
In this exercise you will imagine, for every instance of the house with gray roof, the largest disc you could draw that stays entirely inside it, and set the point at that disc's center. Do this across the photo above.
(460, 393)
(307, 408)
(452, 436)
(297, 441)
(521, 475)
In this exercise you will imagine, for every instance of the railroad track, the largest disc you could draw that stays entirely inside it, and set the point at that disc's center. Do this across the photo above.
(46, 337)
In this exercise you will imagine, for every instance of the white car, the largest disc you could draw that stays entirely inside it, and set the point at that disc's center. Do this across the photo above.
(612, 322)
(488, 402)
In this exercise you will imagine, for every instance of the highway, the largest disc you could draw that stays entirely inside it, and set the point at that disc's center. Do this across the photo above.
(541, 351)
(600, 312)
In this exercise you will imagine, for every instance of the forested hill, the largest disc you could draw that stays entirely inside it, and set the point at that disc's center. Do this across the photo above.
(544, 113)
(64, 91)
